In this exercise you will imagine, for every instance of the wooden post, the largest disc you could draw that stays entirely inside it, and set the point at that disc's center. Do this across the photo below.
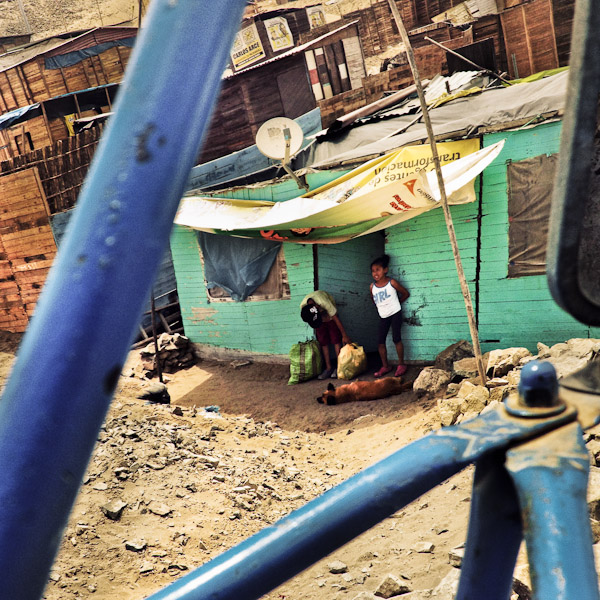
(438, 170)
(157, 354)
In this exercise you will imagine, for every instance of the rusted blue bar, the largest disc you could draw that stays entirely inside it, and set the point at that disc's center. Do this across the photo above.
(71, 356)
(551, 476)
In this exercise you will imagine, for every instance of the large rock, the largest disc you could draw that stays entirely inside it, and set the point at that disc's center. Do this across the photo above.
(447, 588)
(570, 356)
(593, 493)
(500, 362)
(391, 586)
(465, 368)
(457, 351)
(431, 381)
(474, 398)
(449, 410)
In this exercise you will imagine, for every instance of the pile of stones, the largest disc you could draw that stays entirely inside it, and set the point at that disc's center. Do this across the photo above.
(175, 352)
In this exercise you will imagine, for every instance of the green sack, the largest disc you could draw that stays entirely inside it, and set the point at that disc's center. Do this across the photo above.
(306, 361)
(352, 361)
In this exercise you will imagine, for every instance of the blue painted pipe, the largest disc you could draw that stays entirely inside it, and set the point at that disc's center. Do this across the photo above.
(495, 533)
(71, 356)
(551, 476)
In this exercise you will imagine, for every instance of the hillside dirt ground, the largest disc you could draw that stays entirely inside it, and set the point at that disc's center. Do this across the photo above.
(199, 482)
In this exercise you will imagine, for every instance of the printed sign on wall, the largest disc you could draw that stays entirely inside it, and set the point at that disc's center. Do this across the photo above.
(247, 48)
(279, 34)
(316, 16)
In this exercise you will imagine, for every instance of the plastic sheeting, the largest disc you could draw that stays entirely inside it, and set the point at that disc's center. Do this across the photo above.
(19, 114)
(492, 108)
(72, 58)
(530, 184)
(379, 194)
(237, 265)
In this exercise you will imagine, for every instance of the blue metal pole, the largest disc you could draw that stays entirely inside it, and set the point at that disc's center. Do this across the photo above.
(551, 475)
(71, 356)
(494, 535)
(279, 552)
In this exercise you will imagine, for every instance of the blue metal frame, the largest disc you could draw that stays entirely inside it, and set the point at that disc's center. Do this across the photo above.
(531, 465)
(71, 356)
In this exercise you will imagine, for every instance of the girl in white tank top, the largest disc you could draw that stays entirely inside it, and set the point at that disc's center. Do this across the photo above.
(387, 295)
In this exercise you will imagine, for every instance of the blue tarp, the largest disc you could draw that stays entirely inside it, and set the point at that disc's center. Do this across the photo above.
(247, 161)
(237, 265)
(10, 118)
(72, 58)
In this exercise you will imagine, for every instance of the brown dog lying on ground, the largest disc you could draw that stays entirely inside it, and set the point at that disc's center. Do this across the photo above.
(364, 390)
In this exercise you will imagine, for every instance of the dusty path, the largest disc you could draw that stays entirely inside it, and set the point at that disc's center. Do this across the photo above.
(197, 483)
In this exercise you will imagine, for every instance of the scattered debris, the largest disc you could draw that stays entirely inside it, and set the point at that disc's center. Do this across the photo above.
(113, 509)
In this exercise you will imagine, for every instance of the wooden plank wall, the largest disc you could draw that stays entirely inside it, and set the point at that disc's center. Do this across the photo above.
(530, 39)
(62, 167)
(376, 26)
(28, 245)
(31, 82)
(265, 327)
(248, 100)
(297, 22)
(518, 311)
(562, 16)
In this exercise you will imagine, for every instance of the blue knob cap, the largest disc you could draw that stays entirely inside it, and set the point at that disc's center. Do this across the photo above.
(539, 384)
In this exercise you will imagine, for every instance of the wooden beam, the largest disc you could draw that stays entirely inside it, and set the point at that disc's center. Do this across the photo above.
(98, 56)
(438, 170)
(43, 107)
(62, 74)
(94, 69)
(528, 42)
(12, 91)
(23, 79)
(41, 70)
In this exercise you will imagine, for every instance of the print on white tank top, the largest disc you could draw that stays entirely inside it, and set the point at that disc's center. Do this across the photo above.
(386, 299)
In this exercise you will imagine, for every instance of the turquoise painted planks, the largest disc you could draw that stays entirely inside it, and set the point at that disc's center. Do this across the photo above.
(517, 311)
(435, 314)
(344, 270)
(273, 326)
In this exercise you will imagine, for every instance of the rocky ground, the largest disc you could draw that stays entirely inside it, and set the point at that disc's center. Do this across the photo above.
(171, 486)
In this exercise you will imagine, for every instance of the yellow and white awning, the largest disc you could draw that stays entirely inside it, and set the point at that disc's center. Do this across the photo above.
(379, 194)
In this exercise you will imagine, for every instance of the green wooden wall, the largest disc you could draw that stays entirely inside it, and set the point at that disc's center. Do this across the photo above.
(269, 327)
(510, 312)
(423, 262)
(344, 270)
(518, 311)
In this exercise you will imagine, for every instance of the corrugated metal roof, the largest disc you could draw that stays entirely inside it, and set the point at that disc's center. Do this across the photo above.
(436, 88)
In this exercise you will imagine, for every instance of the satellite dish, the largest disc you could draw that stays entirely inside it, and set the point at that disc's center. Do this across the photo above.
(279, 138)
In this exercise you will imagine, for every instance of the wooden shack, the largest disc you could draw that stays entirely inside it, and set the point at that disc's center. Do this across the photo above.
(94, 58)
(287, 85)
